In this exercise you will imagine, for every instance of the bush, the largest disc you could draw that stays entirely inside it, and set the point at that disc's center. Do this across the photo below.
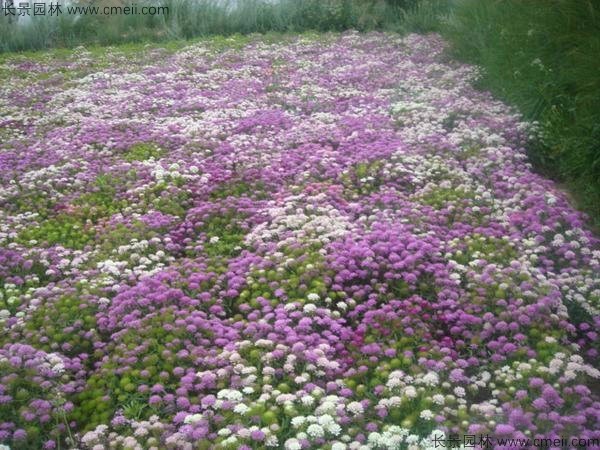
(542, 56)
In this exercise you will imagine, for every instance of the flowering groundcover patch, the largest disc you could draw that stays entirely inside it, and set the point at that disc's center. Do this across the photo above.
(327, 242)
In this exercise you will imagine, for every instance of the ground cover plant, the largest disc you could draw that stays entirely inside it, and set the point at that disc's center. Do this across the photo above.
(315, 242)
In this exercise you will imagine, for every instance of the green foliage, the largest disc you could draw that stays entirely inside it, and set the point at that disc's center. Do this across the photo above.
(9, 297)
(187, 19)
(30, 279)
(239, 189)
(493, 250)
(102, 202)
(190, 18)
(542, 56)
(364, 178)
(63, 325)
(31, 200)
(68, 30)
(154, 347)
(143, 151)
(64, 229)
(424, 16)
(172, 201)
(74, 229)
(440, 197)
(303, 275)
(111, 239)
(224, 236)
(22, 385)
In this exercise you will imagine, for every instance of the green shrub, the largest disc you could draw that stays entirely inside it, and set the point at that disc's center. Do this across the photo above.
(542, 56)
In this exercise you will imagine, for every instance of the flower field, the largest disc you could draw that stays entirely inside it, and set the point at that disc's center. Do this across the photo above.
(317, 242)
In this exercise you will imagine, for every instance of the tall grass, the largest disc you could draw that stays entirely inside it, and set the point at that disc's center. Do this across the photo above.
(544, 57)
(44, 32)
(191, 18)
(424, 16)
(194, 18)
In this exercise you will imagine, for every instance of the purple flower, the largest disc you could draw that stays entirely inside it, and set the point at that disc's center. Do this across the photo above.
(19, 434)
(540, 404)
(257, 435)
(154, 400)
(503, 429)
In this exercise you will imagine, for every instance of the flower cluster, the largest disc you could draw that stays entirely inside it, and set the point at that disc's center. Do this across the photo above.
(329, 242)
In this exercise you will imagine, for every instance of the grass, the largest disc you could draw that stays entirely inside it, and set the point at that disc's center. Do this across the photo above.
(423, 16)
(188, 19)
(542, 56)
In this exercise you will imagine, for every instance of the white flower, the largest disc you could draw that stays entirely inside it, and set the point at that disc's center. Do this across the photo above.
(310, 308)
(325, 420)
(426, 414)
(224, 432)
(307, 400)
(410, 392)
(431, 379)
(214, 239)
(244, 433)
(313, 297)
(264, 343)
(88, 438)
(241, 408)
(231, 440)
(334, 429)
(271, 441)
(291, 444)
(230, 394)
(298, 421)
(438, 399)
(374, 438)
(394, 401)
(338, 446)
(315, 430)
(412, 439)
(459, 391)
(355, 408)
(301, 379)
(327, 406)
(192, 418)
